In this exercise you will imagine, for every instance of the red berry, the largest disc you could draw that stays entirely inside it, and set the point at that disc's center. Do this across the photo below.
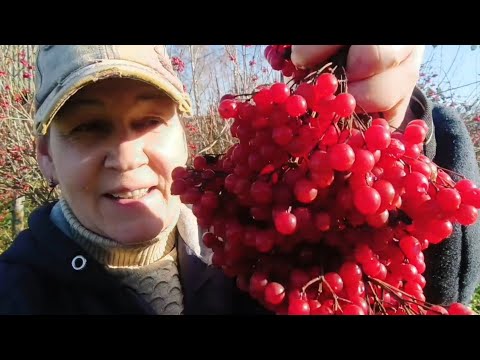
(459, 309)
(367, 200)
(344, 105)
(353, 309)
(326, 85)
(305, 191)
(279, 93)
(377, 137)
(351, 273)
(296, 105)
(274, 293)
(285, 223)
(341, 157)
(228, 109)
(298, 307)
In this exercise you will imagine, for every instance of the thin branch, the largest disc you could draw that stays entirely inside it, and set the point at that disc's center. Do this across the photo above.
(449, 68)
(461, 86)
(225, 127)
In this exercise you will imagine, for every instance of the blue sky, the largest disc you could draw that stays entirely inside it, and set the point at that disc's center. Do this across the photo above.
(456, 65)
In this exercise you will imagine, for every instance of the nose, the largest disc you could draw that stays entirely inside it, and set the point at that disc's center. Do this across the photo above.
(126, 155)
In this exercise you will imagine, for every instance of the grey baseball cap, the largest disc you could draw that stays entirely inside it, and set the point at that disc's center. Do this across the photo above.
(62, 70)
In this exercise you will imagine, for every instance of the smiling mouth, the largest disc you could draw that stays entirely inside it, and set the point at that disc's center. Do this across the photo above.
(130, 195)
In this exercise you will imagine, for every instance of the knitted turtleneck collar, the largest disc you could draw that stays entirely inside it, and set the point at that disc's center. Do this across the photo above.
(113, 254)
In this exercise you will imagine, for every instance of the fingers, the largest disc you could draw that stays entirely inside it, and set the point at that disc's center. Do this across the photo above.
(365, 61)
(304, 56)
(380, 77)
(388, 91)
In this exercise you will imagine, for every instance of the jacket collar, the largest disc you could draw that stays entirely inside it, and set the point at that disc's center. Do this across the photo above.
(422, 108)
(205, 288)
(56, 253)
(46, 249)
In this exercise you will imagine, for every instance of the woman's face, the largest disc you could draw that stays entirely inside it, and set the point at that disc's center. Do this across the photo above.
(112, 150)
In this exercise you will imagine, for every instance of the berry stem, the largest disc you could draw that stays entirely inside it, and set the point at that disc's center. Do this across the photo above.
(335, 296)
(313, 281)
(394, 291)
(451, 172)
(316, 73)
(408, 309)
(441, 168)
(445, 183)
(250, 95)
(377, 300)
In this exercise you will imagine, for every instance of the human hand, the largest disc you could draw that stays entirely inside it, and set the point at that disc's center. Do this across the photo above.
(380, 77)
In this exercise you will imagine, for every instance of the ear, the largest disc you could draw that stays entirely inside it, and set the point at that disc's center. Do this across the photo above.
(44, 159)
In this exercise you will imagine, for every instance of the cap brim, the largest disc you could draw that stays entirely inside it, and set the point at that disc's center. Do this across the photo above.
(95, 72)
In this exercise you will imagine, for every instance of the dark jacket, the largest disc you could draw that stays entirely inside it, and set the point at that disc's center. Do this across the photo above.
(37, 277)
(453, 266)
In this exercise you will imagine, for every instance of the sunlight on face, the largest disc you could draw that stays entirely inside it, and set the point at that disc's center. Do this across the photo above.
(113, 148)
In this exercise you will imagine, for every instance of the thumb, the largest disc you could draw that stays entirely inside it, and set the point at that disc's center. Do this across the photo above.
(308, 56)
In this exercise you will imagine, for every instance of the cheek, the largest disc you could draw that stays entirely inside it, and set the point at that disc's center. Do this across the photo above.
(176, 144)
(77, 172)
(167, 151)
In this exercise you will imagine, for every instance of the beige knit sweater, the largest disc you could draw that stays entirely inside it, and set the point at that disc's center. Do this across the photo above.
(150, 269)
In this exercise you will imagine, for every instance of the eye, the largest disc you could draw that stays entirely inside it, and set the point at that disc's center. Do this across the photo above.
(90, 127)
(147, 124)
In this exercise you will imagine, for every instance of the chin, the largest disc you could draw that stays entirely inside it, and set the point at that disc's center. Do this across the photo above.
(137, 233)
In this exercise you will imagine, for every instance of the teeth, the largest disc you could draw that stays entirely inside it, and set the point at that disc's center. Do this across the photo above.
(136, 194)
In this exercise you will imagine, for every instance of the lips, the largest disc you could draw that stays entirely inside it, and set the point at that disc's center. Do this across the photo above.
(125, 193)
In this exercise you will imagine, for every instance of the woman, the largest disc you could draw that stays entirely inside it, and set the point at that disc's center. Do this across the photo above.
(117, 242)
(110, 136)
